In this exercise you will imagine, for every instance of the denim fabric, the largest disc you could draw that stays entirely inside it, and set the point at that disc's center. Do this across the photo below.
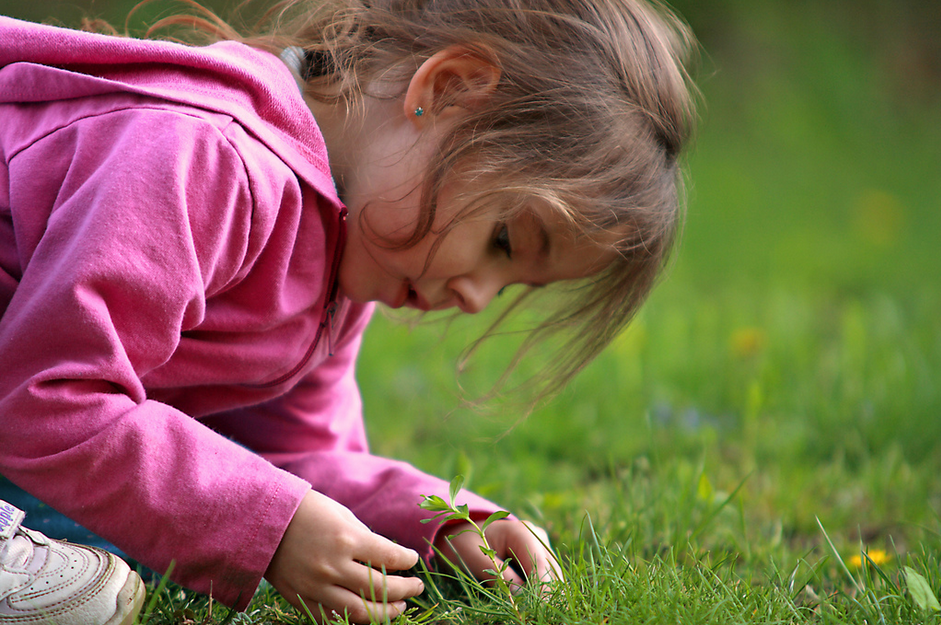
(50, 522)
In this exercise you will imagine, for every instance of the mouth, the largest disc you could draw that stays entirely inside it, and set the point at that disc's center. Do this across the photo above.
(409, 297)
(414, 299)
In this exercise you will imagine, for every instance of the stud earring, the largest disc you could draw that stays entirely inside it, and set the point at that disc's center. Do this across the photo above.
(419, 112)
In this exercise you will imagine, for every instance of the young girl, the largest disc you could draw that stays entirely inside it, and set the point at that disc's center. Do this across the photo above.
(192, 240)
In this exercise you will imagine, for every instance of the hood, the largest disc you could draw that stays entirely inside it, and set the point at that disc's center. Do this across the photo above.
(255, 88)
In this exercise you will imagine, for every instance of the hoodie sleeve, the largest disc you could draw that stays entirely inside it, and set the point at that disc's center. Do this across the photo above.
(123, 223)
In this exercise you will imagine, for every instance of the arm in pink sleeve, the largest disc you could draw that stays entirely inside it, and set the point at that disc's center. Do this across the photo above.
(123, 222)
(316, 432)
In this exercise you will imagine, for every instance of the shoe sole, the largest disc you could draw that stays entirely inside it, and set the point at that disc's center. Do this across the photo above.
(130, 601)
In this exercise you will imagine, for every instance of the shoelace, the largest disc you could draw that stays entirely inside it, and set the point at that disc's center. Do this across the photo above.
(17, 551)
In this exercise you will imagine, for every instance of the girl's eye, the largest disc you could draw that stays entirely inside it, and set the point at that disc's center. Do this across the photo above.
(501, 240)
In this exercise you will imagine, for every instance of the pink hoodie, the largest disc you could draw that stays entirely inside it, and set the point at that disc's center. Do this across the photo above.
(168, 235)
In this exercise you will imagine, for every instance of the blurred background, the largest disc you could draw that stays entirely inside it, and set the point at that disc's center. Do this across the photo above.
(799, 328)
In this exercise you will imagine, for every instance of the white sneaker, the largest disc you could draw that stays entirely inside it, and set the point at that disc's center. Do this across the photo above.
(45, 581)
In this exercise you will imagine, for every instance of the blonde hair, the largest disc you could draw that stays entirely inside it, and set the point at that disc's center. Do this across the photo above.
(591, 115)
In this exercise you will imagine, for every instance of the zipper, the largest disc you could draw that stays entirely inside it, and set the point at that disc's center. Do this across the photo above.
(331, 314)
(330, 307)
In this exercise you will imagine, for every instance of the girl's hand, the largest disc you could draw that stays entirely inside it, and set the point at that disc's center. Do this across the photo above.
(527, 544)
(333, 562)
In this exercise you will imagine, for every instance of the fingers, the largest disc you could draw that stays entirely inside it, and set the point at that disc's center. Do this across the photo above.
(462, 547)
(538, 565)
(526, 544)
(380, 552)
(365, 594)
(478, 564)
(328, 560)
(360, 608)
(532, 551)
(362, 612)
(370, 583)
(378, 555)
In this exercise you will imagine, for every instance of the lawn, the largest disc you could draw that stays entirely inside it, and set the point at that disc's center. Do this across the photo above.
(763, 445)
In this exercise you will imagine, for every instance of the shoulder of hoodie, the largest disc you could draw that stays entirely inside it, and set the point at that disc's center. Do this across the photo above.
(255, 88)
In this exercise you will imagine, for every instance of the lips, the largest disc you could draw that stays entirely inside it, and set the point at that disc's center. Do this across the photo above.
(415, 300)
(409, 297)
(401, 297)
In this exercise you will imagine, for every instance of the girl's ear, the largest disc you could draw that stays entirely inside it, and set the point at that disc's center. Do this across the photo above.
(449, 82)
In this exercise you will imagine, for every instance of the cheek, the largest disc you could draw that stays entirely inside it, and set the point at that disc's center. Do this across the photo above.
(391, 220)
(359, 271)
(365, 255)
(369, 259)
(457, 254)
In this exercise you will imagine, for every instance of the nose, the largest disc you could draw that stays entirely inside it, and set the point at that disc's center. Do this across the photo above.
(474, 293)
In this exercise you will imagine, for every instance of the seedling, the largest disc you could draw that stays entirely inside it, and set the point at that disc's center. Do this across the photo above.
(450, 511)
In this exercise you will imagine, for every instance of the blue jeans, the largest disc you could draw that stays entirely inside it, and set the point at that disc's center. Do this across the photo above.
(54, 524)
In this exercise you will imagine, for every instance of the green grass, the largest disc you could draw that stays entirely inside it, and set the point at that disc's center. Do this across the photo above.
(776, 407)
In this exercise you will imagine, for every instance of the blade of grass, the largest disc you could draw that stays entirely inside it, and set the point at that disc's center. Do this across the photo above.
(155, 597)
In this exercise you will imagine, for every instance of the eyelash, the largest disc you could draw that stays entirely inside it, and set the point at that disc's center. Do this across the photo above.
(501, 240)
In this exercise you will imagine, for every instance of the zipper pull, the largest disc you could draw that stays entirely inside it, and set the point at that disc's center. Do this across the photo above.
(331, 313)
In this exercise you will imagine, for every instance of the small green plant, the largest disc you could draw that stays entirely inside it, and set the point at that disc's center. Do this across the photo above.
(920, 590)
(450, 511)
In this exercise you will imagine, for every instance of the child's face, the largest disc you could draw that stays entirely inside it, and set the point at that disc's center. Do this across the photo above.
(477, 258)
(471, 263)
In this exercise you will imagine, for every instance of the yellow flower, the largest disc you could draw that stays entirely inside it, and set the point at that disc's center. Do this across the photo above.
(747, 342)
(878, 217)
(878, 557)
